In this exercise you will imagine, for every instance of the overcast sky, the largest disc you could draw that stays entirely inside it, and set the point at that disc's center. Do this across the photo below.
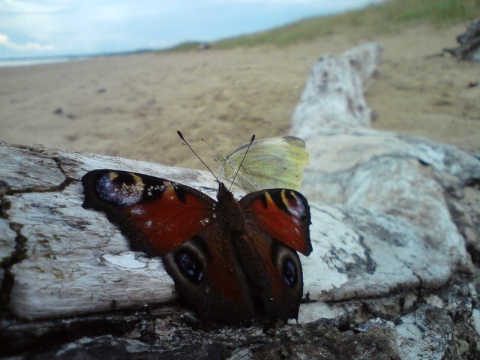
(35, 28)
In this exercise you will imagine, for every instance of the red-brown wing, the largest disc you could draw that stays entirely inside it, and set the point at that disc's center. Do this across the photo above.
(210, 277)
(156, 215)
(283, 214)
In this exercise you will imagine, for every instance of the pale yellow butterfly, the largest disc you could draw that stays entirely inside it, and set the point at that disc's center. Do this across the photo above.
(275, 162)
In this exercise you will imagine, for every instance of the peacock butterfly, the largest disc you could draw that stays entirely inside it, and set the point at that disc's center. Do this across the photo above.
(230, 260)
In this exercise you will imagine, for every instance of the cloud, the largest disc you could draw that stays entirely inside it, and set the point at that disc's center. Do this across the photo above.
(59, 27)
(22, 7)
(5, 41)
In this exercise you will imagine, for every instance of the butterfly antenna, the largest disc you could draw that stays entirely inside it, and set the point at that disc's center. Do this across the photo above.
(244, 156)
(198, 157)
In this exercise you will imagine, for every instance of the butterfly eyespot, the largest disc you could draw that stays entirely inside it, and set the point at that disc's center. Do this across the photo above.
(190, 266)
(290, 273)
(294, 204)
(288, 265)
(120, 189)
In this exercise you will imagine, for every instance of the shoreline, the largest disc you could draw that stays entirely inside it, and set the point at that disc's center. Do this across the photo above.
(14, 63)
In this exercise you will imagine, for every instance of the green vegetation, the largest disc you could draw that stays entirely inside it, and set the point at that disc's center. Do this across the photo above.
(387, 17)
(440, 12)
(189, 45)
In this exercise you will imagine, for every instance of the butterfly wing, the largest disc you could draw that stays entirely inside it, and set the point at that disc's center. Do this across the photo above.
(277, 225)
(208, 275)
(161, 217)
(270, 163)
(281, 213)
(156, 215)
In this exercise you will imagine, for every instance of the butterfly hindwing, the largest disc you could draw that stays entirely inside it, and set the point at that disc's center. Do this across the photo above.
(209, 277)
(274, 273)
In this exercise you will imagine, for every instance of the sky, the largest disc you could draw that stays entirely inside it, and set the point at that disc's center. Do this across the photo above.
(50, 28)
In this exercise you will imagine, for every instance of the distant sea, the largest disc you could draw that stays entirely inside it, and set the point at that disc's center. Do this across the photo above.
(39, 61)
(54, 60)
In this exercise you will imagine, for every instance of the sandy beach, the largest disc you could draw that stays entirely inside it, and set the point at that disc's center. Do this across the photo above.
(131, 105)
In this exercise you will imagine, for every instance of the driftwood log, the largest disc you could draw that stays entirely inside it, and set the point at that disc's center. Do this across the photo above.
(395, 225)
(469, 43)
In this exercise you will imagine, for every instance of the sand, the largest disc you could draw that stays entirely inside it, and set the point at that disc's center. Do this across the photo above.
(132, 105)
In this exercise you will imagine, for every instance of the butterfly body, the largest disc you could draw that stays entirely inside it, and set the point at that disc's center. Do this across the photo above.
(230, 260)
(275, 162)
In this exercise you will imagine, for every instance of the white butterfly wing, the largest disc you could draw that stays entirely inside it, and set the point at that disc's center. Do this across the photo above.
(271, 163)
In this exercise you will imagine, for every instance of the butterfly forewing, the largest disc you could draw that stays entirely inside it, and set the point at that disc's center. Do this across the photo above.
(277, 291)
(270, 163)
(276, 163)
(283, 214)
(156, 214)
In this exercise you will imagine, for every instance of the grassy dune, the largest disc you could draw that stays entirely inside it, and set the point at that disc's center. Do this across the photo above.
(391, 16)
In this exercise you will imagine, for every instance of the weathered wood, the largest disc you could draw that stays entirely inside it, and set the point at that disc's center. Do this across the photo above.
(390, 229)
(469, 41)
(334, 94)
(425, 189)
(75, 261)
